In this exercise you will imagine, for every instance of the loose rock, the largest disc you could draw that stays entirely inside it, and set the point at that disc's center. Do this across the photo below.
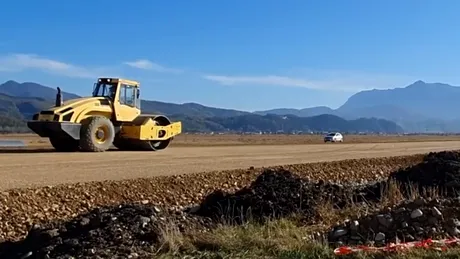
(267, 197)
(115, 232)
(132, 230)
(409, 228)
(380, 237)
(416, 214)
(436, 212)
(22, 208)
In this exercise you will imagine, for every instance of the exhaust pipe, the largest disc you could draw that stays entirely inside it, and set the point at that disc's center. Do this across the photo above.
(58, 98)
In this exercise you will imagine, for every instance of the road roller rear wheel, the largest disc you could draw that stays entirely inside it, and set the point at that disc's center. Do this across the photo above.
(97, 134)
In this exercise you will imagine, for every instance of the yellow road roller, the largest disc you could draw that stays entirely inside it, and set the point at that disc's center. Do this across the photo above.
(111, 116)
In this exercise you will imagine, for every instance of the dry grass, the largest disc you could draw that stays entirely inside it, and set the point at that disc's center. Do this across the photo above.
(276, 239)
(231, 140)
(170, 238)
(290, 237)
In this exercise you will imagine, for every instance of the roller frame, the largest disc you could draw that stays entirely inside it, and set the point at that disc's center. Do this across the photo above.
(150, 131)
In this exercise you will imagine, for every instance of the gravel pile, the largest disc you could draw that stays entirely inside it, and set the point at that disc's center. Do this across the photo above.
(423, 218)
(135, 231)
(124, 231)
(410, 221)
(280, 193)
(20, 209)
(439, 170)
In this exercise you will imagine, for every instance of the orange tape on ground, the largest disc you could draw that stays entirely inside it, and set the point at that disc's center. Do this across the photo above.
(440, 245)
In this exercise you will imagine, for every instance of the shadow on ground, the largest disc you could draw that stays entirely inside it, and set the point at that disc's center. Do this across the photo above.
(39, 150)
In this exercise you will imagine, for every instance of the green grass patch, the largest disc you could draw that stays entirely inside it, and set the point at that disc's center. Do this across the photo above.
(285, 239)
(289, 238)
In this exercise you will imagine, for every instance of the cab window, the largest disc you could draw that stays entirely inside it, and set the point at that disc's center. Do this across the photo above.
(128, 96)
(104, 90)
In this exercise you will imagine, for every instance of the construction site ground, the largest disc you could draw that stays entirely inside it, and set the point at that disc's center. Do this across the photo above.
(41, 167)
(238, 139)
(65, 214)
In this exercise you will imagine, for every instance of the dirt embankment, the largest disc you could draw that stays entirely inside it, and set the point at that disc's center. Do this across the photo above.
(130, 230)
(434, 214)
(279, 193)
(20, 209)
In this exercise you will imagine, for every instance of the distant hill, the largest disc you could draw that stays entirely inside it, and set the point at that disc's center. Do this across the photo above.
(426, 100)
(307, 112)
(46, 94)
(189, 109)
(21, 106)
(291, 123)
(418, 107)
(28, 89)
(19, 101)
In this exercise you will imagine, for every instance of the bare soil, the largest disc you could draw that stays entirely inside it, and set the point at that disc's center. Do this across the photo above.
(36, 167)
(21, 208)
(196, 140)
(141, 230)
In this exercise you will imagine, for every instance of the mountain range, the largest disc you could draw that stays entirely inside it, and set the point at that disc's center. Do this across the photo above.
(419, 107)
(19, 101)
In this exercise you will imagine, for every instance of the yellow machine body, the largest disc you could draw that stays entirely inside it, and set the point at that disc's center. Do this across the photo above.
(149, 130)
(116, 104)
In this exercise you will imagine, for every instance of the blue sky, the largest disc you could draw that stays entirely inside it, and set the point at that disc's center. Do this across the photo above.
(248, 55)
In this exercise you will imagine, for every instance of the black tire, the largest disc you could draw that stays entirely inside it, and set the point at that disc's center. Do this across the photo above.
(144, 145)
(96, 134)
(155, 145)
(64, 144)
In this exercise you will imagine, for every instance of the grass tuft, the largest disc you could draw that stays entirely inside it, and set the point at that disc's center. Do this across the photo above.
(239, 236)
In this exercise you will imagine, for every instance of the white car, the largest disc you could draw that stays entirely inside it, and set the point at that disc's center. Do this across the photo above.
(333, 137)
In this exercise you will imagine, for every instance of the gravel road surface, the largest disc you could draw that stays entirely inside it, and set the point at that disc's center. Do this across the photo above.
(30, 168)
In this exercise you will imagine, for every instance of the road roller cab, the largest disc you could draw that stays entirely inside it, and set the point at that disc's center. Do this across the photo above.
(124, 96)
(112, 115)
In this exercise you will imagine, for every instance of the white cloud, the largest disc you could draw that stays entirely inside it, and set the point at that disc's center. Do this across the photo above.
(149, 65)
(333, 80)
(350, 81)
(262, 80)
(21, 62)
